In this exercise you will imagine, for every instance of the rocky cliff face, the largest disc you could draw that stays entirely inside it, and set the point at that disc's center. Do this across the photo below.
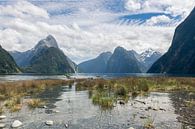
(180, 58)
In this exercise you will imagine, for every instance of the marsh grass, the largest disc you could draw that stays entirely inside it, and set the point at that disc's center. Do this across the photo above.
(149, 124)
(11, 102)
(190, 103)
(1, 110)
(11, 93)
(2, 97)
(10, 89)
(35, 103)
(107, 92)
(16, 108)
(104, 101)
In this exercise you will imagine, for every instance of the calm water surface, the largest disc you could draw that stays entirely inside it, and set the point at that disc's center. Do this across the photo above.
(85, 75)
(75, 108)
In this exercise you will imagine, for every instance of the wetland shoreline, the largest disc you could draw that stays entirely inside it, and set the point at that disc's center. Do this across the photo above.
(105, 93)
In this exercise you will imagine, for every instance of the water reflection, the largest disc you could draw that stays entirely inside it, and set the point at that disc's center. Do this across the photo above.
(65, 105)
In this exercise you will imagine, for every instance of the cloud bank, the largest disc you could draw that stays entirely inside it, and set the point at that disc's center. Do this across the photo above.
(86, 28)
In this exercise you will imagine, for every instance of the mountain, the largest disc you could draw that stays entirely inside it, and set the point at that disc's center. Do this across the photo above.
(97, 65)
(23, 58)
(100, 63)
(7, 63)
(123, 61)
(180, 58)
(45, 58)
(148, 57)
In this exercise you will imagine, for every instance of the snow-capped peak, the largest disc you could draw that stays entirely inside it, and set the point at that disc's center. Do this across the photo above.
(148, 53)
(49, 41)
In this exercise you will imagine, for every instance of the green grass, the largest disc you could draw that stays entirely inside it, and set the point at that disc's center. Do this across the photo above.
(106, 92)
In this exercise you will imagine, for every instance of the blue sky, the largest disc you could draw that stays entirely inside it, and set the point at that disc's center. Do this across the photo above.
(85, 28)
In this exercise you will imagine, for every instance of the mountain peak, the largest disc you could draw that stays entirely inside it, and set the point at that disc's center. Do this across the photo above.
(148, 53)
(50, 37)
(150, 50)
(49, 41)
(119, 49)
(123, 61)
(105, 54)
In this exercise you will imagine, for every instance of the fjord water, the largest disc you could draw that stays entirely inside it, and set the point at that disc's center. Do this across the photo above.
(65, 105)
(18, 77)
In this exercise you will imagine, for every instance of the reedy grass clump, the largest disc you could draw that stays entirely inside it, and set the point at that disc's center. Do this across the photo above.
(104, 102)
(13, 104)
(35, 103)
(16, 108)
(103, 91)
(149, 124)
(2, 97)
(1, 110)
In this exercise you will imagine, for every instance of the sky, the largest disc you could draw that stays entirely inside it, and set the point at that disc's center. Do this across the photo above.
(85, 28)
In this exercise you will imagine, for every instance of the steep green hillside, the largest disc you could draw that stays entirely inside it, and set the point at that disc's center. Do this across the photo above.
(50, 61)
(7, 63)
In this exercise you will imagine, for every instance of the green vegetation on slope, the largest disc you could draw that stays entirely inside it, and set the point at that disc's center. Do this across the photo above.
(50, 61)
(7, 63)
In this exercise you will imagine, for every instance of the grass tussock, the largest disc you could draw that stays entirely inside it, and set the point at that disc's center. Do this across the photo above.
(16, 108)
(35, 103)
(149, 124)
(1, 110)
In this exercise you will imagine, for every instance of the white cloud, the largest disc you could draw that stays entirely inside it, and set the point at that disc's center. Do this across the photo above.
(133, 5)
(85, 33)
(23, 9)
(173, 7)
(162, 19)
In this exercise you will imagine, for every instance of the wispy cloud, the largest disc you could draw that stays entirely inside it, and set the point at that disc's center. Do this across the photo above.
(85, 28)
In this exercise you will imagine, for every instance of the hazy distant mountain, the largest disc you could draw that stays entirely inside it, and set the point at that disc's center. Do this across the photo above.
(123, 61)
(46, 58)
(97, 65)
(180, 57)
(7, 63)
